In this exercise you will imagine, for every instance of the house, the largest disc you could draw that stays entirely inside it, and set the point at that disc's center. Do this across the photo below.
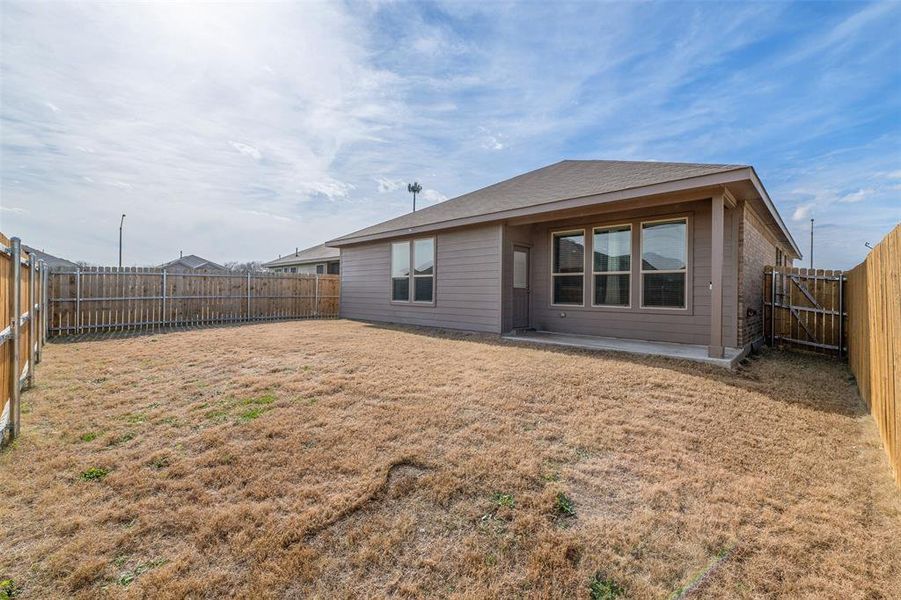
(319, 259)
(54, 262)
(192, 264)
(660, 252)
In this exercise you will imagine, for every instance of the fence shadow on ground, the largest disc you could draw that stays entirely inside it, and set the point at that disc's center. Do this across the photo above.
(772, 373)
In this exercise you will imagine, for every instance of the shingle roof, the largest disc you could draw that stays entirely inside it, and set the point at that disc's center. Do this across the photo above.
(192, 261)
(310, 255)
(54, 262)
(560, 181)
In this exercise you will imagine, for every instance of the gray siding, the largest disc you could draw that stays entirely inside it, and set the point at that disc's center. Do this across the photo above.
(467, 283)
(690, 327)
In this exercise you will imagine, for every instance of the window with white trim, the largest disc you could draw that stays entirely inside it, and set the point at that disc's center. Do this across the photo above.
(611, 265)
(568, 268)
(664, 263)
(416, 284)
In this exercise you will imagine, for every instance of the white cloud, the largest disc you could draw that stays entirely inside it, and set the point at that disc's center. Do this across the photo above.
(246, 149)
(52, 107)
(859, 195)
(429, 196)
(802, 212)
(386, 184)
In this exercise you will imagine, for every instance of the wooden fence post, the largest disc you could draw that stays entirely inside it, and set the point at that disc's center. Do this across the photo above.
(77, 300)
(45, 299)
(163, 300)
(15, 292)
(32, 320)
(248, 295)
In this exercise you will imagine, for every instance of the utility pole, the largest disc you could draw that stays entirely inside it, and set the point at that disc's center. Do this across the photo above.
(811, 243)
(121, 223)
(414, 188)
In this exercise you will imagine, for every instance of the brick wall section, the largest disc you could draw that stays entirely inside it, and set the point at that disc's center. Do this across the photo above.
(758, 251)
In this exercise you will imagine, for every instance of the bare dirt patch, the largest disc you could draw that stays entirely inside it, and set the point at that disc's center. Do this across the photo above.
(338, 459)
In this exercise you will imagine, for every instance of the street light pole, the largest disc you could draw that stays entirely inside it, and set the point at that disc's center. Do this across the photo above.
(811, 244)
(121, 223)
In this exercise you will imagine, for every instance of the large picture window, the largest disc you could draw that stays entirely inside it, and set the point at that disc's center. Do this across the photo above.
(664, 264)
(611, 265)
(413, 271)
(568, 268)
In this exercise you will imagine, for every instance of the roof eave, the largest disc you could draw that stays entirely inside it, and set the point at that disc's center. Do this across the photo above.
(742, 173)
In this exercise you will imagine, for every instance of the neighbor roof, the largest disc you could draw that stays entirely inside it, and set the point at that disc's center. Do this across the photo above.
(565, 180)
(192, 261)
(315, 254)
(54, 262)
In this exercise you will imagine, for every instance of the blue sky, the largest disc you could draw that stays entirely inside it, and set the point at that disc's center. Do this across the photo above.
(242, 131)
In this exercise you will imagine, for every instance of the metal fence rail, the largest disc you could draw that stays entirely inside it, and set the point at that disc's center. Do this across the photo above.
(23, 310)
(104, 299)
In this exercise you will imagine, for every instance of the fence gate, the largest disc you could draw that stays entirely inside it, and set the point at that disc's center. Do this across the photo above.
(805, 308)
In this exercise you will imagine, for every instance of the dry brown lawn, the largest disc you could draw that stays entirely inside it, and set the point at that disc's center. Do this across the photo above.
(335, 459)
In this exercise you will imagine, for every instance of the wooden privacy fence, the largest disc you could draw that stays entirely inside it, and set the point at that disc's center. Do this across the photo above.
(805, 308)
(23, 314)
(103, 299)
(874, 338)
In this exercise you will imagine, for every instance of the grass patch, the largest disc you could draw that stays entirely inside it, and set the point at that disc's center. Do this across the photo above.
(563, 505)
(88, 437)
(160, 462)
(261, 400)
(253, 413)
(602, 587)
(136, 418)
(127, 577)
(121, 439)
(503, 500)
(8, 589)
(94, 474)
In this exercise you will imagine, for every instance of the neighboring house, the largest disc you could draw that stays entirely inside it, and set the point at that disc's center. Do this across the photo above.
(319, 259)
(192, 264)
(54, 262)
(670, 252)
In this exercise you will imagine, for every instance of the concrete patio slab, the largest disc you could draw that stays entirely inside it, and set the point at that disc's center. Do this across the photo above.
(692, 352)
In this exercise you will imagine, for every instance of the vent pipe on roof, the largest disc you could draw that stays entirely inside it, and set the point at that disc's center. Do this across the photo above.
(181, 254)
(296, 251)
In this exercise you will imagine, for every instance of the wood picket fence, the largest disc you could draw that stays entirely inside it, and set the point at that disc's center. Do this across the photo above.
(874, 338)
(109, 299)
(23, 289)
(805, 308)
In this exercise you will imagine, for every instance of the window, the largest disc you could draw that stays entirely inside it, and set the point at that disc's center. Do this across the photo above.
(320, 269)
(568, 268)
(400, 271)
(612, 249)
(521, 269)
(664, 263)
(778, 257)
(421, 278)
(294, 269)
(423, 270)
